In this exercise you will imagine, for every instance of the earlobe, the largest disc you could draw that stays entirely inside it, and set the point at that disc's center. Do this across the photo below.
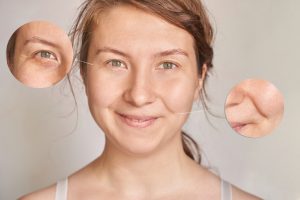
(200, 82)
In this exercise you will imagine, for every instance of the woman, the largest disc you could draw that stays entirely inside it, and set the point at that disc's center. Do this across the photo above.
(143, 64)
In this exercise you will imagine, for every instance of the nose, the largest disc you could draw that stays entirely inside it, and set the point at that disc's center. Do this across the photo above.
(235, 97)
(140, 90)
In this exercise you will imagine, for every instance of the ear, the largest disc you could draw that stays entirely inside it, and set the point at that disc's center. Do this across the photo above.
(200, 82)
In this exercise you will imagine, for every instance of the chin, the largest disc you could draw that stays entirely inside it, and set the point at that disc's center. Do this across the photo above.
(137, 146)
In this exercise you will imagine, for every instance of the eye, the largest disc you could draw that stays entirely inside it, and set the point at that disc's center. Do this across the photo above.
(167, 65)
(43, 54)
(116, 63)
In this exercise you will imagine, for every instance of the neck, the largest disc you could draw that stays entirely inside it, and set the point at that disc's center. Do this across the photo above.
(147, 173)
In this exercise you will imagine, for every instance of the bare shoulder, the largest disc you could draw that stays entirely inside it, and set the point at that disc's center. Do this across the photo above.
(45, 194)
(214, 182)
(238, 194)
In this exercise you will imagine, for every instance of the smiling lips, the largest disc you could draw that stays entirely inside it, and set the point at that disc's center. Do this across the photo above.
(137, 121)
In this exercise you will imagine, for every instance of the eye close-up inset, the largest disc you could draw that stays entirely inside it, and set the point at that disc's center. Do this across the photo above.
(254, 108)
(39, 54)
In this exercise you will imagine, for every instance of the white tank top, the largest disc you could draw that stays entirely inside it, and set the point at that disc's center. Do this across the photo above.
(62, 190)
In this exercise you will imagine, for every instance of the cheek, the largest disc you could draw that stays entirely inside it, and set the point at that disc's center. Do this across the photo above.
(100, 91)
(103, 90)
(270, 101)
(177, 95)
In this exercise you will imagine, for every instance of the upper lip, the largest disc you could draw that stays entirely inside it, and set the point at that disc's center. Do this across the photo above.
(138, 117)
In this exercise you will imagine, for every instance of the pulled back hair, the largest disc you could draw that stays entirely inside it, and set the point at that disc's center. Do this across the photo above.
(189, 15)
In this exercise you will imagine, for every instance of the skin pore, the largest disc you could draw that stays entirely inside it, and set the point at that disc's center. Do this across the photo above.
(254, 108)
(43, 54)
(138, 80)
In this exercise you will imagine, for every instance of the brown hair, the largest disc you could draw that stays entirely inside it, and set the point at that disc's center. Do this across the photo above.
(189, 15)
(10, 49)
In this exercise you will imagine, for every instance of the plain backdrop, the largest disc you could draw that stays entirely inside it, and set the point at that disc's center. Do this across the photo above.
(42, 140)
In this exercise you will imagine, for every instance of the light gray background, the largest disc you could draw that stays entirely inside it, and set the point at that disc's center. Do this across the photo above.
(255, 39)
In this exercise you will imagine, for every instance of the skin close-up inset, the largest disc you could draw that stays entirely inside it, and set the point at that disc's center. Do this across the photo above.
(254, 108)
(39, 54)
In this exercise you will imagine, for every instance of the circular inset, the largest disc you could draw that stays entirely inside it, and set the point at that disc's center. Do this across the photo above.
(254, 108)
(39, 54)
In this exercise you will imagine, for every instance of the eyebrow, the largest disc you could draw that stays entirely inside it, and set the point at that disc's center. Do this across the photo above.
(172, 52)
(159, 54)
(36, 39)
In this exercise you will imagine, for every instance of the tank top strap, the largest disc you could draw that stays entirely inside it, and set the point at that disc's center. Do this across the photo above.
(226, 191)
(61, 189)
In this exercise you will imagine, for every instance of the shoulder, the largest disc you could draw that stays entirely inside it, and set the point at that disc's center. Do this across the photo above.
(238, 194)
(45, 194)
(214, 182)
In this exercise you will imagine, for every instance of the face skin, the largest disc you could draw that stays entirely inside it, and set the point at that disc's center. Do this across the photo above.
(139, 72)
(254, 107)
(43, 54)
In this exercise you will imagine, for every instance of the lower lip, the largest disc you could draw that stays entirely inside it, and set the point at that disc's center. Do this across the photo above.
(238, 127)
(136, 123)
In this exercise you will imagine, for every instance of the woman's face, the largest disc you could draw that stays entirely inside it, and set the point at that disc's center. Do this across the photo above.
(142, 75)
(43, 54)
(254, 107)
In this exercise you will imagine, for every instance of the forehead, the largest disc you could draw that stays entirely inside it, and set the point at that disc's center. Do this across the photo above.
(126, 26)
(44, 30)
